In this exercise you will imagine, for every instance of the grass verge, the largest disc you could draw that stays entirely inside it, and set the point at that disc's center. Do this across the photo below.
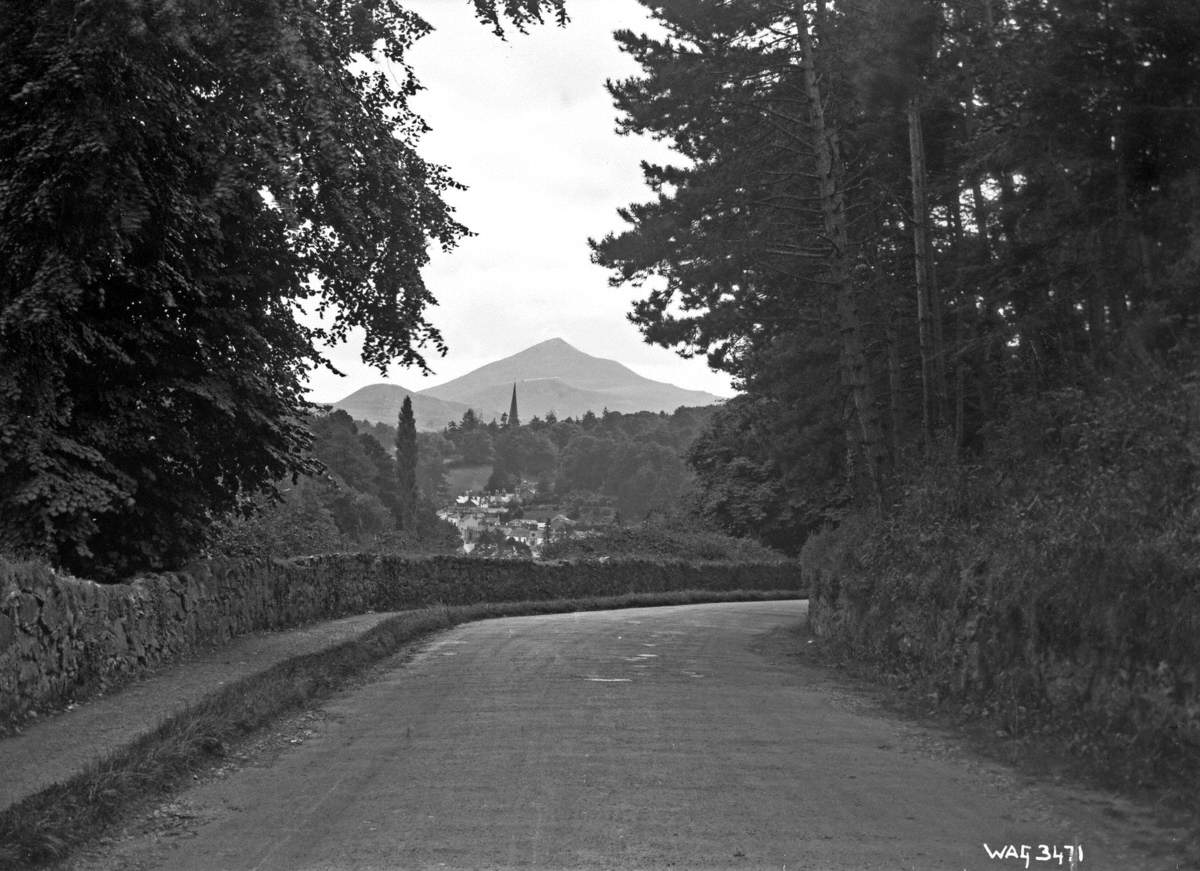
(1170, 806)
(46, 827)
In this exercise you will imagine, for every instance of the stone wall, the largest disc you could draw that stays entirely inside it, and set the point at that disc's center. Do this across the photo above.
(61, 636)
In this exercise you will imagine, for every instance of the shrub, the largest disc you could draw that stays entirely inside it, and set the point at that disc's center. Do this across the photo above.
(1054, 581)
(662, 542)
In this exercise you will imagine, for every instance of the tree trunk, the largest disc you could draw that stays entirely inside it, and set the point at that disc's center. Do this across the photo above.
(929, 326)
(855, 366)
(895, 378)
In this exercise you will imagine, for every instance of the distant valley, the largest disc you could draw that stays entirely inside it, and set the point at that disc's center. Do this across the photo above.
(550, 376)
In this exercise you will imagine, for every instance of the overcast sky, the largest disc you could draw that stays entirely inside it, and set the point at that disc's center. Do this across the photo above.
(527, 125)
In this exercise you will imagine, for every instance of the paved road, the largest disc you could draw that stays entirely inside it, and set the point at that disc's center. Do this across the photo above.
(680, 737)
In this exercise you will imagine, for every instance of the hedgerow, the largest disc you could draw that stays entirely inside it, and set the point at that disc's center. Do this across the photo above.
(1053, 584)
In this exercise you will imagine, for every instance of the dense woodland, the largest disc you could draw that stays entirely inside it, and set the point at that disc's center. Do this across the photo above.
(635, 462)
(914, 232)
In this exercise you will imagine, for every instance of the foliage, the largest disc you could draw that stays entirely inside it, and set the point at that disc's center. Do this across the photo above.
(463, 479)
(407, 492)
(177, 181)
(969, 281)
(494, 544)
(475, 447)
(635, 462)
(300, 522)
(589, 509)
(384, 433)
(771, 464)
(717, 245)
(585, 462)
(1053, 583)
(662, 542)
(354, 504)
(433, 452)
(522, 452)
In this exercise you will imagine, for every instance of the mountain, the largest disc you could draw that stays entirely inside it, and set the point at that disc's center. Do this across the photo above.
(554, 376)
(380, 403)
(550, 376)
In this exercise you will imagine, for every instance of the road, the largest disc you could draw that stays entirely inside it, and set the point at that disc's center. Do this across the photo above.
(679, 737)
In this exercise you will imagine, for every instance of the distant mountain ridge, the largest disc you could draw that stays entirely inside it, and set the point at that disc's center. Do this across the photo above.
(380, 403)
(550, 376)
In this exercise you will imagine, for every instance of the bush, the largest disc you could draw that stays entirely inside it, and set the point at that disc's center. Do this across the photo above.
(660, 542)
(1054, 582)
(321, 516)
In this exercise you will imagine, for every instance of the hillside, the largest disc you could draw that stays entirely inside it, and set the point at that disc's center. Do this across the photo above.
(380, 403)
(555, 376)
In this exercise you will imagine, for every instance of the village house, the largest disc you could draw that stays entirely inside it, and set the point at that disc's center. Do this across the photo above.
(477, 515)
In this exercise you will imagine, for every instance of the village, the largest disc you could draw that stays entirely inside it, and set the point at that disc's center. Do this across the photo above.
(517, 524)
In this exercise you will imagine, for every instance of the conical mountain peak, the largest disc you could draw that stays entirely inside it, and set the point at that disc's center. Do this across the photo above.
(553, 375)
(550, 376)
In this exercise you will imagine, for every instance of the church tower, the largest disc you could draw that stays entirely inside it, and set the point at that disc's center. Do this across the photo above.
(513, 420)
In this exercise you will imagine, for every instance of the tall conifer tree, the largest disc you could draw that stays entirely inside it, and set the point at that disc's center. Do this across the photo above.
(406, 466)
(1029, 166)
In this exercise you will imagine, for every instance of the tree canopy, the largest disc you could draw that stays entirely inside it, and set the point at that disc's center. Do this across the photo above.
(632, 464)
(179, 181)
(895, 222)
(361, 499)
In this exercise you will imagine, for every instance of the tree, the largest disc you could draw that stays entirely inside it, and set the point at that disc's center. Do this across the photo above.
(361, 491)
(470, 421)
(585, 462)
(768, 467)
(406, 466)
(475, 447)
(433, 450)
(383, 484)
(644, 478)
(753, 239)
(342, 452)
(176, 181)
(300, 522)
(521, 452)
(897, 222)
(843, 249)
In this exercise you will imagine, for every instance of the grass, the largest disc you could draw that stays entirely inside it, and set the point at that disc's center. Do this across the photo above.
(46, 827)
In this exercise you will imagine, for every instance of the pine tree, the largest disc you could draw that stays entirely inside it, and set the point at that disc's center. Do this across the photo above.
(1029, 167)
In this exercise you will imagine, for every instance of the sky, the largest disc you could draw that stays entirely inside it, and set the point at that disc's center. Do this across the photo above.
(527, 125)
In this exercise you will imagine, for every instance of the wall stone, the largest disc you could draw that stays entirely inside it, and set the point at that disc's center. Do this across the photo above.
(62, 636)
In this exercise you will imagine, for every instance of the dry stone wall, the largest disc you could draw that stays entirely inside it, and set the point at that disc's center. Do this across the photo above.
(61, 636)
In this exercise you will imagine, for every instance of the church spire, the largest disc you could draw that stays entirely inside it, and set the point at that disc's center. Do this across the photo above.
(513, 420)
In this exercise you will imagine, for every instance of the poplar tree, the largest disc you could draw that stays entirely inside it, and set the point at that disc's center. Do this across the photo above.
(406, 467)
